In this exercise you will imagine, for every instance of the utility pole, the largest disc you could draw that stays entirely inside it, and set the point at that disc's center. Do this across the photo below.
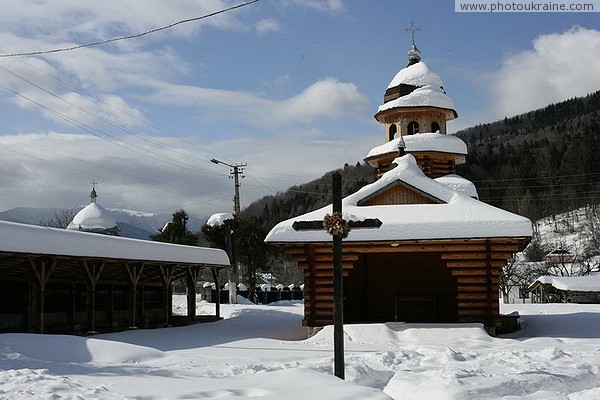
(235, 172)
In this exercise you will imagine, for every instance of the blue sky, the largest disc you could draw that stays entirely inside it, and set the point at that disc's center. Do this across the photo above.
(288, 86)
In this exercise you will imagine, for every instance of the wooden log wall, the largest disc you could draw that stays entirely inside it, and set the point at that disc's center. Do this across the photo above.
(475, 263)
(435, 165)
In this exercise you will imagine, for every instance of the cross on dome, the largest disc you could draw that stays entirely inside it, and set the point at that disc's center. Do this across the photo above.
(414, 54)
(413, 29)
(93, 194)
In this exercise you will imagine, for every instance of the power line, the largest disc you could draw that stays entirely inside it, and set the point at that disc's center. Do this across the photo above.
(99, 134)
(120, 110)
(537, 178)
(539, 186)
(101, 118)
(136, 35)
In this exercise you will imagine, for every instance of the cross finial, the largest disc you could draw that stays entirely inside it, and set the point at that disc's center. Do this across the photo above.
(413, 29)
(93, 194)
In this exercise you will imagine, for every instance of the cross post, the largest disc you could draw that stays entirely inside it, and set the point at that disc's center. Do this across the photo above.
(338, 288)
(338, 285)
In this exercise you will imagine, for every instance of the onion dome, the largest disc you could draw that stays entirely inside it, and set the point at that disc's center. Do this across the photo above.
(417, 85)
(94, 218)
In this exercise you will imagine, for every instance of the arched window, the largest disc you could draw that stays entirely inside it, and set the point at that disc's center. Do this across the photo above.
(392, 131)
(413, 127)
(435, 127)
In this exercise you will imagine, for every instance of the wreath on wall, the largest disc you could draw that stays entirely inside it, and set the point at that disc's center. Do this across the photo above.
(334, 224)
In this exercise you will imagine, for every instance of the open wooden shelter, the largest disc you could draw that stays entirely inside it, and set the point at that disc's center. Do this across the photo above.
(56, 280)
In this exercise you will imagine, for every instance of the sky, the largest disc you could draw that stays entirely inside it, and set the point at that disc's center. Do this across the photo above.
(288, 87)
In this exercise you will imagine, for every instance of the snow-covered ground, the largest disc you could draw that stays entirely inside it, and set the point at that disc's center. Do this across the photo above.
(260, 352)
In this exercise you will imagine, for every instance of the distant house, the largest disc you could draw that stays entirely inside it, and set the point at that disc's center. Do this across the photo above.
(437, 255)
(559, 256)
(58, 280)
(566, 289)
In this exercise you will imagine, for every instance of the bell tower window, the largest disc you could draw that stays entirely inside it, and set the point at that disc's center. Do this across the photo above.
(392, 132)
(413, 127)
(435, 127)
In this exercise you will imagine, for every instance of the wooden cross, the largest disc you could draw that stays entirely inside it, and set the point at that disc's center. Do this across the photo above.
(338, 288)
(413, 29)
(93, 183)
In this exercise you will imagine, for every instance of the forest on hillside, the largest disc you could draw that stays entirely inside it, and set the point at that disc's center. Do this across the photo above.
(540, 163)
(536, 164)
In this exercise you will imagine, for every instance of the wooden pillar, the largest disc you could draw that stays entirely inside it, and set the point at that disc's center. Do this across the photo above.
(166, 273)
(93, 273)
(134, 272)
(215, 275)
(111, 307)
(42, 271)
(71, 314)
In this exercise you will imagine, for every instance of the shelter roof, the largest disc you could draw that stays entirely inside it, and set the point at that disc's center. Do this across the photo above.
(38, 240)
(456, 216)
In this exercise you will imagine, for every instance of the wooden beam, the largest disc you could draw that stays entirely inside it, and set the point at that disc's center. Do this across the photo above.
(166, 273)
(476, 264)
(134, 272)
(476, 256)
(93, 273)
(42, 271)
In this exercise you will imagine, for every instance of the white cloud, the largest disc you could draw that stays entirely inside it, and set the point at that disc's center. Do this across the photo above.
(323, 99)
(322, 5)
(81, 110)
(67, 20)
(560, 66)
(267, 25)
(55, 169)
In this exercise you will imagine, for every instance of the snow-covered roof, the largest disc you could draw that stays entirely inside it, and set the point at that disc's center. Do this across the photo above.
(418, 74)
(218, 219)
(459, 217)
(459, 184)
(429, 90)
(423, 142)
(93, 218)
(31, 239)
(426, 96)
(590, 283)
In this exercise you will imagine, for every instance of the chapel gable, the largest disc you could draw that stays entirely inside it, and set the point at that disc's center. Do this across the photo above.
(398, 193)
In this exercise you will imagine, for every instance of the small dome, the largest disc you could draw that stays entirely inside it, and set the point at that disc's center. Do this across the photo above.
(418, 74)
(417, 86)
(459, 184)
(94, 218)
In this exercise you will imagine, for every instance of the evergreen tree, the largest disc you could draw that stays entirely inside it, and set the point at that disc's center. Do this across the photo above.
(176, 231)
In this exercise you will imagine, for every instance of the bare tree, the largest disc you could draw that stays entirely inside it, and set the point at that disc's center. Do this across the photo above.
(519, 274)
(60, 220)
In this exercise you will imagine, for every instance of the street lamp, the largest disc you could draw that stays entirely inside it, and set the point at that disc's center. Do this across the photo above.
(236, 171)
